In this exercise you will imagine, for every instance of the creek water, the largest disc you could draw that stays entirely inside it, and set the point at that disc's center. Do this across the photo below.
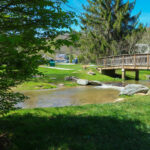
(75, 95)
(68, 97)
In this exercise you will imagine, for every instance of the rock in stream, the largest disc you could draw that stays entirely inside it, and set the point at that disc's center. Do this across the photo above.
(131, 89)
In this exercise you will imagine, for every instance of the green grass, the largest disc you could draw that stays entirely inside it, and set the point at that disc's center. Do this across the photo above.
(48, 80)
(35, 85)
(131, 74)
(114, 126)
(80, 73)
(73, 66)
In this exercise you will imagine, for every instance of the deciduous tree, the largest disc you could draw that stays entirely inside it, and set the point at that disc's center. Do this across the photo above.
(25, 26)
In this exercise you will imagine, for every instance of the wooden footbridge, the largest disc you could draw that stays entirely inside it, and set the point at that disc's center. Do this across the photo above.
(135, 63)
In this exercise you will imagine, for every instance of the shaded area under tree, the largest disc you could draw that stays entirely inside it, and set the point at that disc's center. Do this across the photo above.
(74, 133)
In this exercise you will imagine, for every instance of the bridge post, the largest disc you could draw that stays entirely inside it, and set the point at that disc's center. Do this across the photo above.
(136, 74)
(123, 74)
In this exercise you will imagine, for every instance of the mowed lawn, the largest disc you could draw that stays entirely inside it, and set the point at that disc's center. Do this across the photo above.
(53, 77)
(114, 126)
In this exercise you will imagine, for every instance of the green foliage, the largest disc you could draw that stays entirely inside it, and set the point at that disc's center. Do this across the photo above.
(25, 27)
(146, 37)
(114, 126)
(8, 100)
(108, 26)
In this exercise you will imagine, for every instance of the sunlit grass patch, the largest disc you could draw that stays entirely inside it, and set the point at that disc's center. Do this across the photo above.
(53, 77)
(32, 85)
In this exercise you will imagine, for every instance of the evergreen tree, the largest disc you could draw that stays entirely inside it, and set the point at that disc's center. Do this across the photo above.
(107, 25)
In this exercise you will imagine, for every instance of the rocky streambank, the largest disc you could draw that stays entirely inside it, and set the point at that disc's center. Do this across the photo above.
(83, 82)
(129, 89)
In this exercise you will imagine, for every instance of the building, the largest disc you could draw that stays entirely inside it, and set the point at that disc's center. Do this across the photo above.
(142, 48)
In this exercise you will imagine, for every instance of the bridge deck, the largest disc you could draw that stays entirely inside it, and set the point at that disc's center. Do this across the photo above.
(126, 62)
(138, 61)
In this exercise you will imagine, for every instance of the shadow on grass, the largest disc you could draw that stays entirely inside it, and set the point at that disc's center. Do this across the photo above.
(30, 132)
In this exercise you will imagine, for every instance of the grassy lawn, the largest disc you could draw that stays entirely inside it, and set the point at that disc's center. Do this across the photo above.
(53, 77)
(114, 126)
(35, 85)
(71, 66)
(80, 73)
(131, 74)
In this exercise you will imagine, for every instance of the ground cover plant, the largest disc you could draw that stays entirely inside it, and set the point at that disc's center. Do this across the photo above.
(112, 126)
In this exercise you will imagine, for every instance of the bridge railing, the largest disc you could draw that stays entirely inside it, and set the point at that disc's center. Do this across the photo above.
(138, 60)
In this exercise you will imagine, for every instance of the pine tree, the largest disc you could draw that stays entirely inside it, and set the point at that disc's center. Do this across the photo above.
(107, 25)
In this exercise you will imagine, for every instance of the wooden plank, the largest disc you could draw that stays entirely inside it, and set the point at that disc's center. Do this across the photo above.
(113, 61)
(126, 67)
(147, 61)
(141, 61)
(134, 61)
(105, 62)
(122, 61)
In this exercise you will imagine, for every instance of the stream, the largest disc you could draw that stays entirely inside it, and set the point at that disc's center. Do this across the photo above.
(69, 97)
(74, 96)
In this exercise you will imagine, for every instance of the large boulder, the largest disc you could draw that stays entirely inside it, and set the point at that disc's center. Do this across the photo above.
(95, 83)
(82, 82)
(131, 89)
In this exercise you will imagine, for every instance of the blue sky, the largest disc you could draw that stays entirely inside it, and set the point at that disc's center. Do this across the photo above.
(141, 5)
(144, 7)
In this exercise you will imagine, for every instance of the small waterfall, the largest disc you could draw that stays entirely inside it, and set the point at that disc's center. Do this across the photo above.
(110, 86)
